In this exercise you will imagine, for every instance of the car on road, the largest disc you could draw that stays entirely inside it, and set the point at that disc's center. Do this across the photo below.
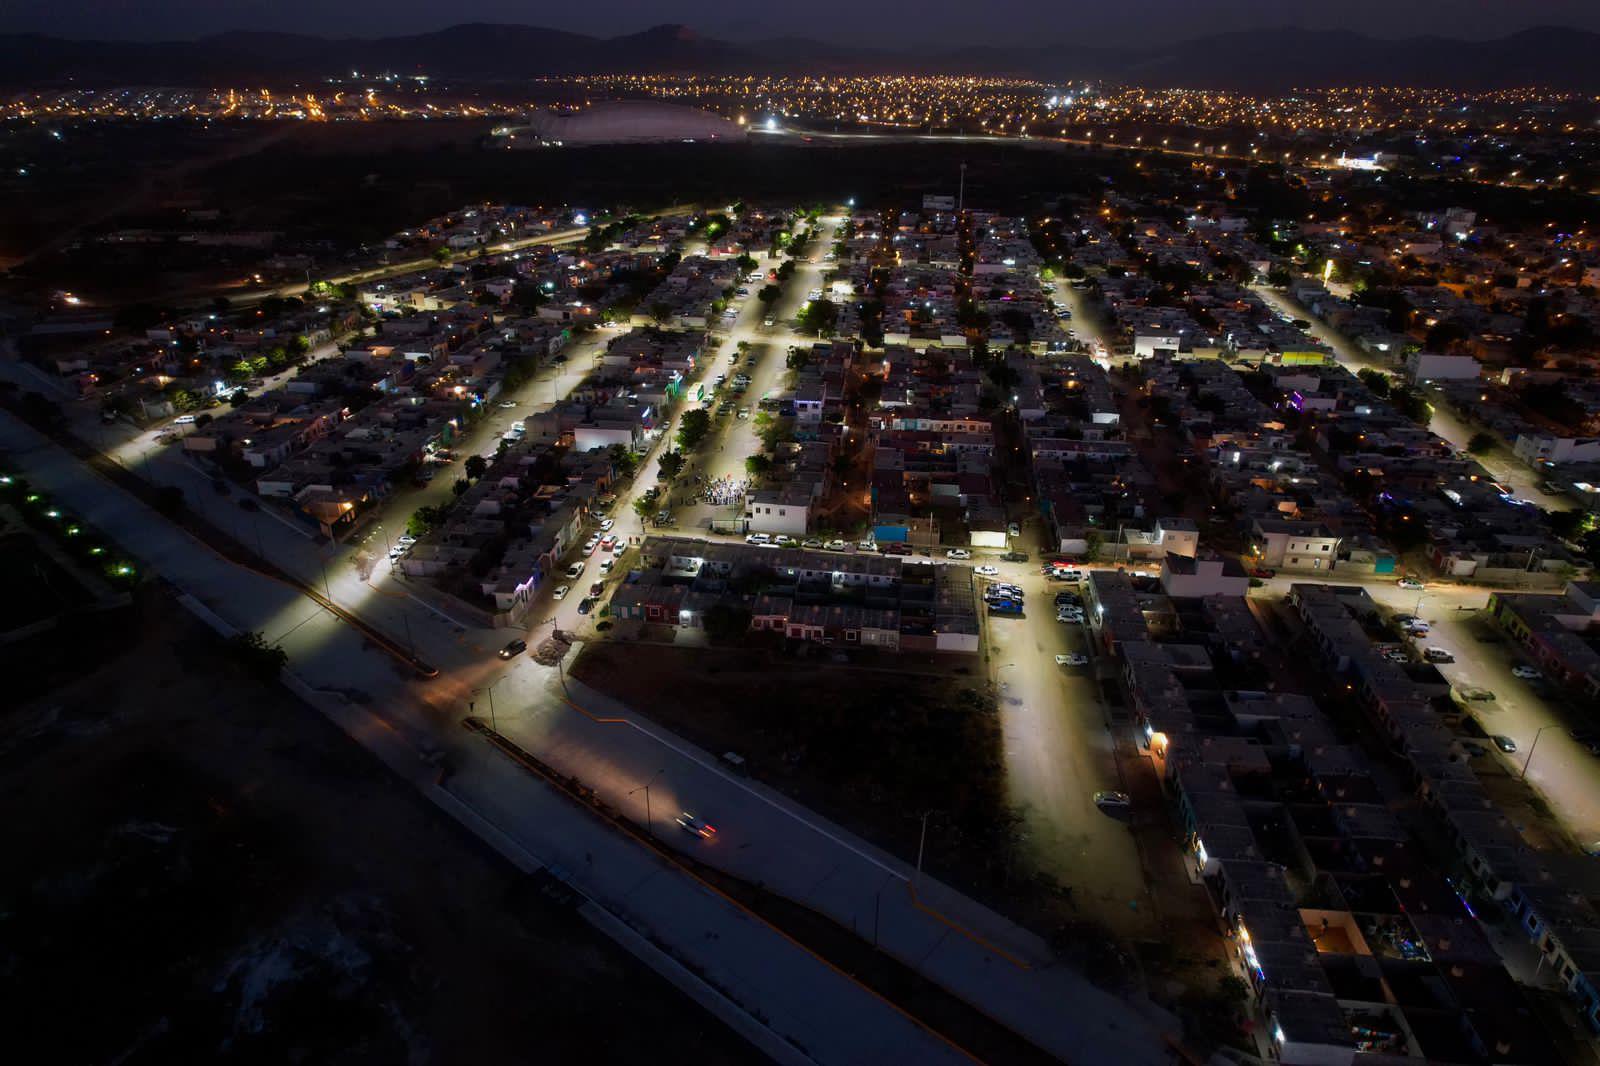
(769, 321)
(836, 545)
(986, 571)
(1014, 530)
(1474, 693)
(1014, 557)
(866, 545)
(812, 543)
(957, 553)
(575, 570)
(1071, 618)
(783, 540)
(1068, 599)
(607, 523)
(561, 592)
(585, 605)
(1504, 743)
(396, 552)
(1415, 628)
(758, 538)
(1438, 655)
(1411, 584)
(507, 405)
(1526, 673)
(405, 540)
(607, 541)
(608, 565)
(1108, 800)
(1263, 572)
(741, 291)
(698, 826)
(1072, 659)
(597, 588)
(898, 547)
(513, 649)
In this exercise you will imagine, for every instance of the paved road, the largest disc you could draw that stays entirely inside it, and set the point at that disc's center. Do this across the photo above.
(816, 1007)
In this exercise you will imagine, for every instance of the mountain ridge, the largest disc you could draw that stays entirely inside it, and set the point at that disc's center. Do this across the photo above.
(1262, 60)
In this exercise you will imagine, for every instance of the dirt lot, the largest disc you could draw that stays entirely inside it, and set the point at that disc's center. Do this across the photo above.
(872, 748)
(200, 868)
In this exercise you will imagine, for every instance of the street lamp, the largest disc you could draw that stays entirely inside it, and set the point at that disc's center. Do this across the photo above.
(489, 691)
(649, 822)
(1535, 744)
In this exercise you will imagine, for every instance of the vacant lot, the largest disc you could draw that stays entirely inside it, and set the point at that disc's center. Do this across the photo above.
(200, 869)
(871, 748)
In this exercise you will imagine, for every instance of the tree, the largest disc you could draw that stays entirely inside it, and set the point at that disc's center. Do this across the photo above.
(1375, 380)
(745, 263)
(476, 466)
(299, 345)
(424, 519)
(624, 460)
(670, 464)
(768, 294)
(693, 427)
(660, 312)
(255, 656)
(1279, 277)
(644, 505)
(818, 316)
(757, 465)
(461, 486)
(443, 255)
(1481, 443)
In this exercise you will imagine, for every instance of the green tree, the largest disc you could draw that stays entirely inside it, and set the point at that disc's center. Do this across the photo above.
(1375, 380)
(443, 255)
(476, 466)
(758, 465)
(768, 294)
(670, 464)
(424, 519)
(1481, 443)
(624, 460)
(693, 427)
(644, 505)
(255, 656)
(818, 316)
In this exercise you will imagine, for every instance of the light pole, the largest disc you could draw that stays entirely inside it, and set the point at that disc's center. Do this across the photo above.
(1535, 744)
(649, 821)
(489, 691)
(922, 840)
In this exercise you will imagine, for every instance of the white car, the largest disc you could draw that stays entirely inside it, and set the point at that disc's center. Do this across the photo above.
(405, 540)
(507, 405)
(607, 523)
(1411, 584)
(1074, 659)
(561, 592)
(607, 565)
(866, 545)
(986, 571)
(1525, 672)
(783, 540)
(957, 553)
(576, 569)
(1108, 800)
(836, 545)
(757, 538)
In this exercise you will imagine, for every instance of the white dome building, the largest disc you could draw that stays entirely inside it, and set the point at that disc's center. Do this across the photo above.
(627, 122)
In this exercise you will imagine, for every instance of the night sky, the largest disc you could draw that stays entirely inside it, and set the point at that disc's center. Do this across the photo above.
(874, 22)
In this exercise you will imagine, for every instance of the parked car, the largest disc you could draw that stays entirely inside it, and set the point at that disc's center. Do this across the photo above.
(783, 540)
(608, 565)
(758, 538)
(1108, 800)
(1474, 693)
(957, 553)
(812, 543)
(607, 523)
(699, 827)
(1015, 557)
(513, 649)
(561, 592)
(1504, 743)
(836, 545)
(866, 545)
(1526, 673)
(1014, 530)
(1411, 584)
(597, 589)
(986, 571)
(576, 569)
(1072, 659)
(896, 548)
(1438, 655)
(585, 605)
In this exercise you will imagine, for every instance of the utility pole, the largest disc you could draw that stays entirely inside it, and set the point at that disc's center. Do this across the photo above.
(649, 821)
(1535, 744)
(921, 840)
